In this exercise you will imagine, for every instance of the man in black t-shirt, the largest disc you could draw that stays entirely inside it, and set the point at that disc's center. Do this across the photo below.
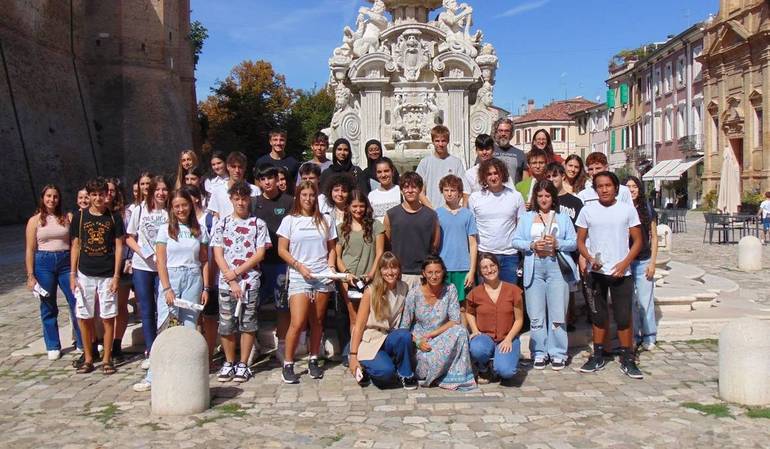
(96, 257)
(272, 206)
(277, 156)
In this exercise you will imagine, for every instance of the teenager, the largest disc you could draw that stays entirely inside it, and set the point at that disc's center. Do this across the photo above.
(437, 165)
(283, 180)
(272, 206)
(537, 159)
(187, 160)
(360, 244)
(220, 203)
(343, 164)
(337, 195)
(574, 174)
(83, 200)
(597, 163)
(412, 229)
(543, 235)
(485, 147)
(278, 157)
(495, 315)
(764, 213)
(432, 314)
(496, 209)
(115, 201)
(47, 260)
(379, 350)
(312, 174)
(542, 141)
(319, 147)
(239, 241)
(373, 154)
(219, 175)
(306, 242)
(387, 194)
(458, 236)
(96, 257)
(643, 269)
(181, 249)
(604, 227)
(141, 234)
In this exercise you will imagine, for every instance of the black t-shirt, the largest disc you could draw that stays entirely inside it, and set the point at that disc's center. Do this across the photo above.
(646, 251)
(272, 212)
(412, 236)
(288, 162)
(97, 234)
(570, 205)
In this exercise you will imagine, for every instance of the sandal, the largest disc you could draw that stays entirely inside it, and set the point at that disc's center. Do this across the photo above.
(108, 369)
(85, 368)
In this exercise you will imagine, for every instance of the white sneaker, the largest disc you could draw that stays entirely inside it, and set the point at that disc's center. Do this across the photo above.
(142, 386)
(145, 364)
(54, 354)
(649, 346)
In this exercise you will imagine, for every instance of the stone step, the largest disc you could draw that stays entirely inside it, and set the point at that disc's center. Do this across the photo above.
(685, 270)
(720, 284)
(677, 281)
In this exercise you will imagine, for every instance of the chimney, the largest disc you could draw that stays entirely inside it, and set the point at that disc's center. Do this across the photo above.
(530, 105)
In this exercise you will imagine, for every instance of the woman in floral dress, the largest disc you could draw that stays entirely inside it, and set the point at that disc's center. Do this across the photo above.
(432, 313)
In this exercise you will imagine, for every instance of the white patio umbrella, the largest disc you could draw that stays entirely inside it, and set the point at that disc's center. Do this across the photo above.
(730, 183)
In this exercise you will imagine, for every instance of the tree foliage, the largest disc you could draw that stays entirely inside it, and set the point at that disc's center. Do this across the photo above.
(253, 100)
(198, 35)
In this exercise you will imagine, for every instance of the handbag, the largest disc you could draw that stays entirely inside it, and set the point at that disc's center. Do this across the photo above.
(564, 266)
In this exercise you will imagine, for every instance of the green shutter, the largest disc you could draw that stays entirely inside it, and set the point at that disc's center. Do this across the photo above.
(612, 141)
(624, 94)
(610, 98)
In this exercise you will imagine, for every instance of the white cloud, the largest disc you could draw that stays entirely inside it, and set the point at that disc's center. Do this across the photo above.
(524, 8)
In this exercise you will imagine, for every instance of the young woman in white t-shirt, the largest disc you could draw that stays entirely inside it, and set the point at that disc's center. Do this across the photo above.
(609, 223)
(306, 241)
(388, 194)
(141, 232)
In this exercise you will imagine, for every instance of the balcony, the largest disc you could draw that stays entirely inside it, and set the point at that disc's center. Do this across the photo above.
(691, 145)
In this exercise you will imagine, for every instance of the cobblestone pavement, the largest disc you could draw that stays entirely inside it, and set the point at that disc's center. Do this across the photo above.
(44, 404)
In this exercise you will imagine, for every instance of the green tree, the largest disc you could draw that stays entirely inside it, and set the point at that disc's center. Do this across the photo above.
(198, 35)
(245, 106)
(310, 113)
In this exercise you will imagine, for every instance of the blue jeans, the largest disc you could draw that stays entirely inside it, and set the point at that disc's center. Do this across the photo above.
(187, 283)
(483, 350)
(645, 326)
(547, 301)
(145, 288)
(392, 360)
(509, 265)
(52, 268)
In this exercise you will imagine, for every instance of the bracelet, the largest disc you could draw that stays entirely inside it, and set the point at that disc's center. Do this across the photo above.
(352, 353)
(165, 289)
(207, 289)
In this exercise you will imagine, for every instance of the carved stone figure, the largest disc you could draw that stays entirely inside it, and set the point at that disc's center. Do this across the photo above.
(411, 54)
(341, 103)
(456, 21)
(370, 29)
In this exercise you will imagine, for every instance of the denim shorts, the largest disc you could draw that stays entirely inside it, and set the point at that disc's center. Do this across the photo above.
(298, 284)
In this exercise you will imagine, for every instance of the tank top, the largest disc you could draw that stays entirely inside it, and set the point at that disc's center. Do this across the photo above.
(53, 236)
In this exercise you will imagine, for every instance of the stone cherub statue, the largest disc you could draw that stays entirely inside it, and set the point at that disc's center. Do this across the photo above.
(367, 34)
(456, 21)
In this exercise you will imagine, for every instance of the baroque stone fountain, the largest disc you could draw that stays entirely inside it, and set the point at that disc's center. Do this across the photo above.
(397, 74)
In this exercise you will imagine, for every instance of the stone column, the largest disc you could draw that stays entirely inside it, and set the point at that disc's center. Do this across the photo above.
(457, 116)
(370, 113)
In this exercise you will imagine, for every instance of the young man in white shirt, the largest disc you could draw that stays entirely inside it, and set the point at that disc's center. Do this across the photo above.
(597, 163)
(764, 212)
(219, 203)
(437, 165)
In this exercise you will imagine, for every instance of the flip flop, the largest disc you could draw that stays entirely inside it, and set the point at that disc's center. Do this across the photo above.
(108, 369)
(85, 368)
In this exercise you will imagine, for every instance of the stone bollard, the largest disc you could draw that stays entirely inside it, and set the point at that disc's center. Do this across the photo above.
(750, 254)
(665, 237)
(744, 362)
(180, 372)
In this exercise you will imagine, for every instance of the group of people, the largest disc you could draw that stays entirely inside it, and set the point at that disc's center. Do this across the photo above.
(433, 274)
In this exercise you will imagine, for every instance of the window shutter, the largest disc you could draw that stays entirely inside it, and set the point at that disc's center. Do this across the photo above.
(610, 98)
(612, 141)
(624, 94)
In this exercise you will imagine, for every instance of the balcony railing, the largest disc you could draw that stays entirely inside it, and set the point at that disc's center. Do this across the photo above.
(691, 144)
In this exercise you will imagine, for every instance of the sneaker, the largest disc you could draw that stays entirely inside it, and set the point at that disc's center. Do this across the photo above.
(594, 363)
(226, 373)
(142, 386)
(409, 383)
(315, 369)
(540, 364)
(287, 374)
(649, 346)
(557, 365)
(54, 354)
(145, 364)
(242, 373)
(629, 368)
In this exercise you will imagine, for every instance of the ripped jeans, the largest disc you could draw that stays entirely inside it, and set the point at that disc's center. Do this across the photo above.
(547, 299)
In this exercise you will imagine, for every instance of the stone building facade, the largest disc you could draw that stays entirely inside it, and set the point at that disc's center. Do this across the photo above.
(736, 76)
(90, 87)
(559, 119)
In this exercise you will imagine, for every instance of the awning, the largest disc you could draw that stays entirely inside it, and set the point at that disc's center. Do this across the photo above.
(670, 170)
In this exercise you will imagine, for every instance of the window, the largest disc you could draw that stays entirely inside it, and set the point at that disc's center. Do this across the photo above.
(696, 66)
(518, 137)
(696, 119)
(657, 82)
(681, 129)
(667, 81)
(592, 124)
(658, 128)
(639, 134)
(557, 134)
(680, 72)
(647, 87)
(582, 126)
(714, 140)
(623, 138)
(667, 128)
(757, 127)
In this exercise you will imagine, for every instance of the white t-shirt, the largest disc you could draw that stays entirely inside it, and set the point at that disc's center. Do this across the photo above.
(432, 168)
(608, 231)
(496, 217)
(210, 184)
(588, 195)
(765, 208)
(324, 208)
(240, 238)
(382, 200)
(220, 199)
(144, 226)
(308, 241)
(472, 184)
(185, 250)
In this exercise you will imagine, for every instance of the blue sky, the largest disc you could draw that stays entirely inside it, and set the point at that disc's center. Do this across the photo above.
(547, 48)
